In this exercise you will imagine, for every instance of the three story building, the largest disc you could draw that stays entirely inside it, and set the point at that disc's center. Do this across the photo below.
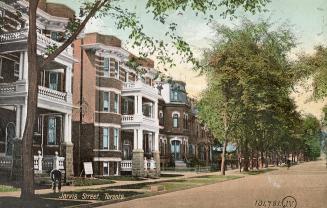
(52, 132)
(116, 126)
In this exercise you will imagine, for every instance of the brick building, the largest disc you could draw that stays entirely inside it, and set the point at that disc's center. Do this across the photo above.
(116, 126)
(182, 137)
(52, 132)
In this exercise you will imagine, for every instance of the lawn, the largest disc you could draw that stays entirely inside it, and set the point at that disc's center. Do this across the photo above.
(4, 188)
(90, 181)
(112, 195)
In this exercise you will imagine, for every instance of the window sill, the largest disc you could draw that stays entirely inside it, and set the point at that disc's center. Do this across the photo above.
(52, 145)
(105, 150)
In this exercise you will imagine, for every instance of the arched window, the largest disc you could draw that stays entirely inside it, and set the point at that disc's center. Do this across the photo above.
(175, 120)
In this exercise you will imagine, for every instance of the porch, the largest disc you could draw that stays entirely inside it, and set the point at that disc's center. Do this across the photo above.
(52, 137)
(42, 164)
(140, 152)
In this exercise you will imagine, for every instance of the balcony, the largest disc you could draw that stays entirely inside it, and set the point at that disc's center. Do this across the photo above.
(130, 88)
(137, 120)
(17, 89)
(42, 41)
(52, 94)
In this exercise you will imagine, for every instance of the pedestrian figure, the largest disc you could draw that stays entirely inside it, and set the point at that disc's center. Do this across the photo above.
(55, 176)
(288, 164)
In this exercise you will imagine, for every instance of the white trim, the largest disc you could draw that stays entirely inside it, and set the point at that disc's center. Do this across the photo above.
(106, 150)
(109, 89)
(176, 139)
(107, 125)
(107, 159)
(176, 112)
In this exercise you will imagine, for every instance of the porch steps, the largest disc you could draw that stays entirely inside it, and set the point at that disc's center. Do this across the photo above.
(180, 164)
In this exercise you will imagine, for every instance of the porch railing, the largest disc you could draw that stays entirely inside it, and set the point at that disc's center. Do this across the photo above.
(126, 165)
(41, 39)
(13, 36)
(52, 94)
(7, 88)
(6, 163)
(139, 85)
(40, 164)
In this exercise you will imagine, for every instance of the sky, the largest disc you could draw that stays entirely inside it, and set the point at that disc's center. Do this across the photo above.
(308, 19)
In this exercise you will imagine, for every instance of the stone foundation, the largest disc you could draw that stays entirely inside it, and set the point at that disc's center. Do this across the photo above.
(156, 157)
(138, 163)
(68, 154)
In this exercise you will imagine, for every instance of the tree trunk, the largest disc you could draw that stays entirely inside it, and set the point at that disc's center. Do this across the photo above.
(246, 157)
(257, 160)
(262, 160)
(251, 157)
(222, 167)
(27, 191)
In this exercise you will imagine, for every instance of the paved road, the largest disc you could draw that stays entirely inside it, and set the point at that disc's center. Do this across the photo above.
(307, 183)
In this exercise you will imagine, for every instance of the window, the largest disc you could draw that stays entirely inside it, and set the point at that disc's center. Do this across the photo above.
(161, 117)
(53, 80)
(106, 101)
(125, 106)
(191, 149)
(0, 65)
(117, 69)
(185, 121)
(175, 120)
(105, 168)
(175, 95)
(55, 36)
(160, 114)
(16, 69)
(52, 131)
(116, 138)
(105, 138)
(116, 104)
(106, 67)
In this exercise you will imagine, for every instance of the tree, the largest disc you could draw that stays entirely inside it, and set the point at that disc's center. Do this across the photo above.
(311, 137)
(124, 19)
(250, 79)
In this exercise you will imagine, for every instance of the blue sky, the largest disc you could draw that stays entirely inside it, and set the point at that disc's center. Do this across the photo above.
(307, 17)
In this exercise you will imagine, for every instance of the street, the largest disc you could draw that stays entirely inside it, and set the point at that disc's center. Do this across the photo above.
(306, 183)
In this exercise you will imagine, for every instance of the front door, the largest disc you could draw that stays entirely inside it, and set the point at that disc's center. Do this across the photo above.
(176, 149)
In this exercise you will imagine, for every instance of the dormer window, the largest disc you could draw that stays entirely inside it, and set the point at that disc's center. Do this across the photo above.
(175, 95)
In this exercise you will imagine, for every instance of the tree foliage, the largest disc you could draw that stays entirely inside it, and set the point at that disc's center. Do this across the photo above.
(250, 79)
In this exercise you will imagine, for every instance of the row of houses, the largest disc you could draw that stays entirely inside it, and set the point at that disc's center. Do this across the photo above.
(93, 106)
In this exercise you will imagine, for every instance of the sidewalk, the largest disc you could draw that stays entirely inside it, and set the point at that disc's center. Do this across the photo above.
(120, 183)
